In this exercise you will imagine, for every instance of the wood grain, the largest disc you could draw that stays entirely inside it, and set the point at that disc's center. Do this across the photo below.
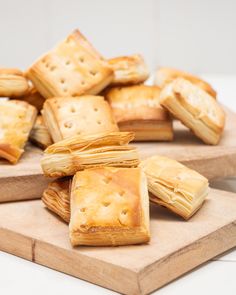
(24, 180)
(176, 246)
(219, 161)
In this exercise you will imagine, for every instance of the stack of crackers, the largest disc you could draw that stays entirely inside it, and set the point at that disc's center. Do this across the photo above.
(84, 110)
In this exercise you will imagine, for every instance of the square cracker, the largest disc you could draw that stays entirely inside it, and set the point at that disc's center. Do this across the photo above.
(16, 120)
(109, 206)
(84, 115)
(175, 186)
(72, 68)
(138, 102)
(137, 108)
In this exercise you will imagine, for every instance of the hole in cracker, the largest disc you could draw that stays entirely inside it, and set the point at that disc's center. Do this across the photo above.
(106, 204)
(65, 89)
(107, 179)
(99, 122)
(124, 211)
(82, 209)
(52, 68)
(62, 81)
(81, 59)
(67, 63)
(122, 193)
(95, 109)
(82, 82)
(68, 124)
(72, 109)
(47, 65)
(92, 73)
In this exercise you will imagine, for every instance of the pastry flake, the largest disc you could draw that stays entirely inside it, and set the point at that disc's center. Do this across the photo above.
(16, 120)
(84, 115)
(39, 134)
(174, 186)
(195, 108)
(167, 75)
(56, 197)
(137, 108)
(12, 83)
(76, 153)
(109, 207)
(129, 70)
(72, 68)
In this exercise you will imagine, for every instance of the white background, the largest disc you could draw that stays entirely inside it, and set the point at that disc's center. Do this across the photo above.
(198, 36)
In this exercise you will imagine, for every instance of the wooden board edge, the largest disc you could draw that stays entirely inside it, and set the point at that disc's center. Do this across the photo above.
(227, 164)
(16, 244)
(123, 280)
(90, 269)
(182, 261)
(22, 187)
(73, 263)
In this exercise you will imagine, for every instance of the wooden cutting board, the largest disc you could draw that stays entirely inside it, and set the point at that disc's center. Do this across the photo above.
(26, 178)
(29, 230)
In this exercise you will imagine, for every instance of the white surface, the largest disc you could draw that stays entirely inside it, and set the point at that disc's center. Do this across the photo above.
(18, 276)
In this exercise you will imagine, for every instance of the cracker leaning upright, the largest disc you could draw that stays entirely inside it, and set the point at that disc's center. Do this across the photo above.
(16, 120)
(73, 68)
(109, 207)
(195, 108)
